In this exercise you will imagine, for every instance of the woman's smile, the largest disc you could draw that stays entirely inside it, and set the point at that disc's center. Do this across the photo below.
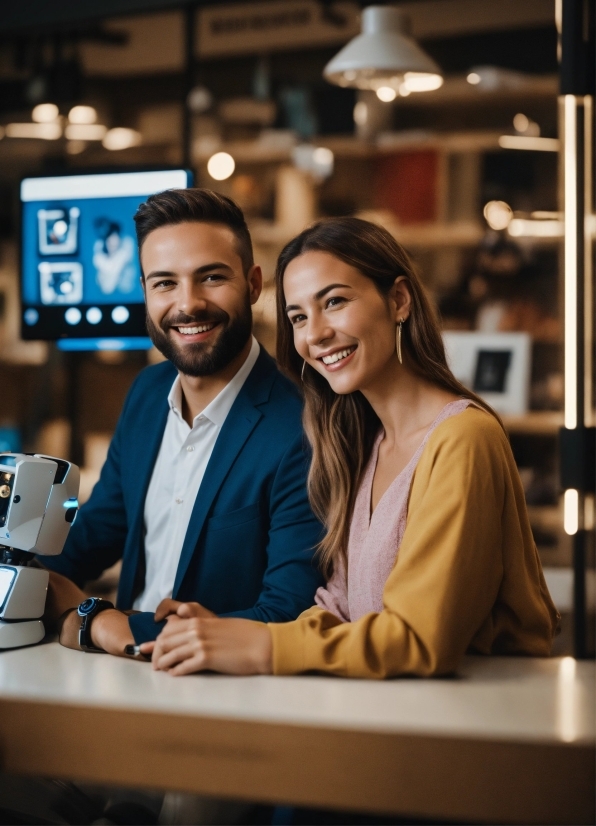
(334, 360)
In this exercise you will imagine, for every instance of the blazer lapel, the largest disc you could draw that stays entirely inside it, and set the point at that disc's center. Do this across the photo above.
(238, 426)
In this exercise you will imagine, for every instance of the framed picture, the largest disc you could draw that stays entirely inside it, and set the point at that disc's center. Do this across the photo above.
(496, 366)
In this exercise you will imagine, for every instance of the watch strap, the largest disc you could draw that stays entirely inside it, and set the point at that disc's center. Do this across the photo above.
(85, 642)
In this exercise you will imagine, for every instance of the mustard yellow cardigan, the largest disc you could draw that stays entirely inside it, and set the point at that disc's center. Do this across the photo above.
(467, 577)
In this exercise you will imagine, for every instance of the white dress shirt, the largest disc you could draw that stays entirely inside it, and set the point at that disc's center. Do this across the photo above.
(175, 482)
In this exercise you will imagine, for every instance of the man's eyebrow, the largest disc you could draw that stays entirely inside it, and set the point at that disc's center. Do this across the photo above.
(215, 265)
(319, 295)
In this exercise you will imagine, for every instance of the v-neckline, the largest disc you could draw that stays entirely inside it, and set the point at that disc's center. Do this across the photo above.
(375, 458)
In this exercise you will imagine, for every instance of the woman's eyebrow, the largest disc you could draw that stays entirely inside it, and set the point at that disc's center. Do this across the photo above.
(319, 295)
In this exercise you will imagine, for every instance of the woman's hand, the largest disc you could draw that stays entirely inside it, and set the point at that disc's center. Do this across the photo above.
(231, 646)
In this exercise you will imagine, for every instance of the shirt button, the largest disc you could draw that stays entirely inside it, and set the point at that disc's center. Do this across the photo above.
(190, 449)
(179, 501)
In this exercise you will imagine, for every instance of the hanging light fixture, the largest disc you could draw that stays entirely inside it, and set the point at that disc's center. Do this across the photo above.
(384, 56)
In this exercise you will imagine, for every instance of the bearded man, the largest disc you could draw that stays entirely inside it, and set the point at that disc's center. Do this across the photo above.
(203, 492)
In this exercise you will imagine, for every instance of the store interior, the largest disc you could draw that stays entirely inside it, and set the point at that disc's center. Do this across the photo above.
(467, 176)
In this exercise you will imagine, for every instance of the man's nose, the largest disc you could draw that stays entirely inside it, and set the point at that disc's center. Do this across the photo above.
(190, 298)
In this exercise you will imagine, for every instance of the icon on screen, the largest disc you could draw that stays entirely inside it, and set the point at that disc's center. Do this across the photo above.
(58, 230)
(61, 282)
(113, 254)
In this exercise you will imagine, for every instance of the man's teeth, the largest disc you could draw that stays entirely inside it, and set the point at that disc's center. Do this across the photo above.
(192, 331)
(341, 354)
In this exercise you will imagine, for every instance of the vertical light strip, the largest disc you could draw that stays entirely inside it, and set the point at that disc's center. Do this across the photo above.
(570, 183)
(571, 511)
(588, 263)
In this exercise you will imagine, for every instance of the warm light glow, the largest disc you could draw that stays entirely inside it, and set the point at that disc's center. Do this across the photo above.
(498, 214)
(567, 700)
(528, 142)
(521, 122)
(570, 256)
(526, 228)
(121, 138)
(323, 156)
(220, 166)
(422, 82)
(360, 113)
(85, 132)
(45, 113)
(386, 94)
(474, 78)
(41, 131)
(571, 511)
(75, 147)
(82, 114)
(403, 91)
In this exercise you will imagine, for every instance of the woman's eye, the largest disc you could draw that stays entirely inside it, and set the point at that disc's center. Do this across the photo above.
(335, 301)
(296, 319)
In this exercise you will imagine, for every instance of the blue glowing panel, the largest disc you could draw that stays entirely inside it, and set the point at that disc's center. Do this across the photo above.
(80, 271)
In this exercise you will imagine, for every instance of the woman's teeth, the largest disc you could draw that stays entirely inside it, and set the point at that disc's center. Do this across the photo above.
(341, 354)
(192, 331)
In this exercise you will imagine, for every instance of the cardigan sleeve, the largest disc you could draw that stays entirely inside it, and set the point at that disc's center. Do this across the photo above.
(446, 577)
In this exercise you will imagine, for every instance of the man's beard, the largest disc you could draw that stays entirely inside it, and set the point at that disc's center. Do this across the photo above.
(204, 359)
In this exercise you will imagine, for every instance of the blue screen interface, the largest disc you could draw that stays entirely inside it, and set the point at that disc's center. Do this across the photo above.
(80, 271)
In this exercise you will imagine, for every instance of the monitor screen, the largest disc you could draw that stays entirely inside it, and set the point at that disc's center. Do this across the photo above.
(80, 273)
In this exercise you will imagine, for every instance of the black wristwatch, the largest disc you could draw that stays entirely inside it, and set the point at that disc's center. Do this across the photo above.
(87, 610)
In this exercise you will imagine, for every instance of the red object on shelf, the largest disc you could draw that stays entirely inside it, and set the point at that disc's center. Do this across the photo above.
(406, 183)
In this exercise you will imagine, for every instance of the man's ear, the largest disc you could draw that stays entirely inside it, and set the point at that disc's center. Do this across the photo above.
(255, 282)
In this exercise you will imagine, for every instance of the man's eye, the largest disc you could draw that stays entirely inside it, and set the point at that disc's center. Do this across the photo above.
(165, 282)
(214, 277)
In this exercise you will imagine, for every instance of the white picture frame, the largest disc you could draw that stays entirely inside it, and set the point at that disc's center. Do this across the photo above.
(496, 366)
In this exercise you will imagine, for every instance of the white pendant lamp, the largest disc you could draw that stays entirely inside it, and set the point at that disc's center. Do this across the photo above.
(384, 56)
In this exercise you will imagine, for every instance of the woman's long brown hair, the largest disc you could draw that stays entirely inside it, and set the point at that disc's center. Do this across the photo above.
(342, 428)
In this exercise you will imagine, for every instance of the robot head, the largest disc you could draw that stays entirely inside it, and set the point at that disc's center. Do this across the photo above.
(38, 502)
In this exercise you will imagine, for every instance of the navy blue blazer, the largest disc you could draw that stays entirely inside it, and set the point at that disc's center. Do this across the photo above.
(248, 550)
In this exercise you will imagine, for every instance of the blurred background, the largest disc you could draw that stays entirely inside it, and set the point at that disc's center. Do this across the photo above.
(467, 176)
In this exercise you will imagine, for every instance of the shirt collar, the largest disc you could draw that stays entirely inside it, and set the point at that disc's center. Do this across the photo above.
(218, 409)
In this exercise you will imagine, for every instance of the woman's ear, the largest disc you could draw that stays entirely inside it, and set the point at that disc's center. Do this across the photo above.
(401, 298)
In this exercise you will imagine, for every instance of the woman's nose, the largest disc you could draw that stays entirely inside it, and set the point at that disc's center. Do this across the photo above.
(318, 331)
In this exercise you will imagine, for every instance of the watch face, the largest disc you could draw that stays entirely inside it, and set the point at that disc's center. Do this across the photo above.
(87, 606)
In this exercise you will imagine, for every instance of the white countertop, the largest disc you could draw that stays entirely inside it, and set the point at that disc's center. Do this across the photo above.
(491, 698)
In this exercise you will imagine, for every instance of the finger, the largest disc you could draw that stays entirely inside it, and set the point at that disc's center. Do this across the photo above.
(188, 610)
(165, 607)
(174, 640)
(146, 648)
(186, 651)
(190, 666)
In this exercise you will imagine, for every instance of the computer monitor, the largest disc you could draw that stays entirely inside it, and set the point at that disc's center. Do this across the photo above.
(80, 273)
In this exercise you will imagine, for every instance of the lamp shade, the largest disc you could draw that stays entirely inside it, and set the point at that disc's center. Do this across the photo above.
(384, 55)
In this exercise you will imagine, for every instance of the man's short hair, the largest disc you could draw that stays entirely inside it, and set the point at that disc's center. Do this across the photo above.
(179, 206)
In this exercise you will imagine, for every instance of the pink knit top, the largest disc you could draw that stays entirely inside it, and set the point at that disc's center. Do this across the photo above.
(374, 540)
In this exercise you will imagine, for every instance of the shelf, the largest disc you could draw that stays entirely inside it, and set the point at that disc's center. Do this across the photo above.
(534, 423)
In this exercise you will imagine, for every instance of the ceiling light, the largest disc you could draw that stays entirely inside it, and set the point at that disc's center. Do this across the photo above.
(45, 112)
(474, 78)
(384, 55)
(121, 138)
(526, 228)
(360, 113)
(85, 131)
(386, 94)
(41, 131)
(498, 214)
(534, 144)
(220, 166)
(82, 114)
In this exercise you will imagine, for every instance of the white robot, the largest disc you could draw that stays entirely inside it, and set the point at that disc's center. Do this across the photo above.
(38, 504)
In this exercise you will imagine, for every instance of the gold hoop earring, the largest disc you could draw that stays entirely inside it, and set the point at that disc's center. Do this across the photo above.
(398, 340)
(302, 371)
